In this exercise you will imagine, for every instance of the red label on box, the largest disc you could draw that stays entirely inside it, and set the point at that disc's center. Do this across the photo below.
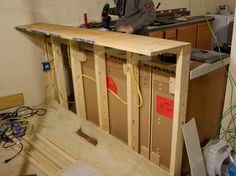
(111, 84)
(164, 106)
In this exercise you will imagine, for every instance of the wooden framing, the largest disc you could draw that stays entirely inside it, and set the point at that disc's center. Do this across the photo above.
(47, 76)
(180, 105)
(134, 46)
(133, 100)
(59, 69)
(101, 81)
(76, 57)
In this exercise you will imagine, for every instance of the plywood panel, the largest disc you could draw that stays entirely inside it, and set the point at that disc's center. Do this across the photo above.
(161, 125)
(117, 109)
(90, 89)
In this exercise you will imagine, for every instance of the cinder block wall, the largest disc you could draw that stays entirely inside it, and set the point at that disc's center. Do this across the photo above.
(20, 69)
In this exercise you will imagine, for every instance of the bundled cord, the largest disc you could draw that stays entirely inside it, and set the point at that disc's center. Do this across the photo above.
(13, 126)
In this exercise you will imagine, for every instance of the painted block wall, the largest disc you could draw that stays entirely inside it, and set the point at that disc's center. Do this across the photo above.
(20, 69)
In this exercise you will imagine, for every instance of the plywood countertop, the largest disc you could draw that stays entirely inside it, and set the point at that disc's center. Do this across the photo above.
(133, 43)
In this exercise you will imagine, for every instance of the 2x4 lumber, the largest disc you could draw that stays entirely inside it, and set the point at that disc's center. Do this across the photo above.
(133, 100)
(11, 101)
(101, 83)
(48, 84)
(60, 72)
(180, 105)
(150, 113)
(76, 57)
(53, 80)
(56, 149)
(46, 152)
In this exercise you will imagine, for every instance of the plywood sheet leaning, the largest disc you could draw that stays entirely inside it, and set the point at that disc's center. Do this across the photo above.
(194, 151)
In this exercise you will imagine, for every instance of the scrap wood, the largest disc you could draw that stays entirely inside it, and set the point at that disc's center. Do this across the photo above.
(11, 101)
(87, 137)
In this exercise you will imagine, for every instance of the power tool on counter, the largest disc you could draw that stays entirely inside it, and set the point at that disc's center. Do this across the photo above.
(106, 19)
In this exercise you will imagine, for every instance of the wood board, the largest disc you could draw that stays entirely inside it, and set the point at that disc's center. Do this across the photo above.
(11, 101)
(133, 43)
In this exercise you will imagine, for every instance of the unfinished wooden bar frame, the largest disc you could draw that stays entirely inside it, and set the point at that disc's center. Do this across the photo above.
(182, 50)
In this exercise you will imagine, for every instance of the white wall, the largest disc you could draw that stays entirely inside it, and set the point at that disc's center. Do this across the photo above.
(232, 69)
(20, 69)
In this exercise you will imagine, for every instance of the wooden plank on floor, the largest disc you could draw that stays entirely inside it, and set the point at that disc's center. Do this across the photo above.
(180, 106)
(11, 101)
(133, 100)
(60, 71)
(101, 82)
(76, 57)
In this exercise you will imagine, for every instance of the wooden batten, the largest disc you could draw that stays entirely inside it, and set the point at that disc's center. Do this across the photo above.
(59, 69)
(76, 57)
(101, 82)
(180, 105)
(11, 101)
(47, 75)
(133, 100)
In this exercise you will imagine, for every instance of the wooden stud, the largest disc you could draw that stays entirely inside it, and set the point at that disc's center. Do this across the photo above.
(180, 105)
(150, 112)
(76, 57)
(60, 72)
(11, 101)
(100, 70)
(48, 84)
(133, 100)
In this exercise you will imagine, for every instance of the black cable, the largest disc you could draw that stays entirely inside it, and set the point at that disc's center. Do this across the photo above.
(10, 118)
(21, 148)
(4, 145)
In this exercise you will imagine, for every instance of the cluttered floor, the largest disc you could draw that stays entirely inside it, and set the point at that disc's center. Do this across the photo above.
(61, 143)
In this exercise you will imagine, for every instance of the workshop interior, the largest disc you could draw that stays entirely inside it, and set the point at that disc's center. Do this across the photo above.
(117, 88)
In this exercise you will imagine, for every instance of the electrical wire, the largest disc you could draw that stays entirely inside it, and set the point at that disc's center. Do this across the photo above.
(13, 123)
(117, 96)
(137, 87)
(21, 148)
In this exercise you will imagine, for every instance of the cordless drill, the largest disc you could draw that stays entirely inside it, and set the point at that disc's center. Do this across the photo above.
(106, 19)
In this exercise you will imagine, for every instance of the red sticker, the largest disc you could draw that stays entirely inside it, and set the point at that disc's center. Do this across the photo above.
(111, 84)
(165, 106)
